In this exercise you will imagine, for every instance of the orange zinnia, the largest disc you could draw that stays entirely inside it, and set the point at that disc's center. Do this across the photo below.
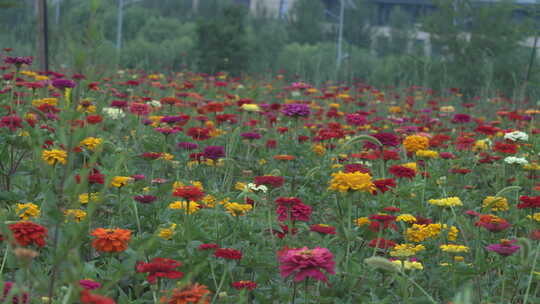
(194, 293)
(111, 240)
(284, 157)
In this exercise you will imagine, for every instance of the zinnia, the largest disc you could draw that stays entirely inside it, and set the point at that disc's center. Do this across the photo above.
(160, 268)
(195, 293)
(228, 254)
(111, 240)
(355, 181)
(504, 248)
(304, 262)
(190, 193)
(54, 156)
(26, 233)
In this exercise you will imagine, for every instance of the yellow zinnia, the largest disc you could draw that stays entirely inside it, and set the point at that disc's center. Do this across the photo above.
(413, 143)
(54, 156)
(356, 181)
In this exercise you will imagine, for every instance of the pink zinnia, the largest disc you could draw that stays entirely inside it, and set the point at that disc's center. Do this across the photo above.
(504, 248)
(304, 262)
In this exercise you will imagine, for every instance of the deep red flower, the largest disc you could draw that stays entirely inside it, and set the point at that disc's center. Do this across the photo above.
(506, 148)
(351, 168)
(208, 246)
(438, 140)
(402, 171)
(89, 298)
(270, 181)
(13, 122)
(292, 208)
(15, 298)
(239, 285)
(26, 233)
(199, 133)
(228, 254)
(323, 229)
(94, 119)
(384, 185)
(145, 199)
(190, 193)
(486, 158)
(529, 202)
(464, 143)
(303, 263)
(284, 231)
(160, 268)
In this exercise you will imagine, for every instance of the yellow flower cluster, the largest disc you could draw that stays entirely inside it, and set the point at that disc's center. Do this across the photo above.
(407, 265)
(48, 101)
(411, 165)
(356, 181)
(453, 233)
(496, 203)
(533, 166)
(406, 250)
(452, 248)
(28, 210)
(418, 233)
(76, 214)
(318, 149)
(54, 156)
(86, 197)
(413, 143)
(236, 209)
(446, 202)
(480, 145)
(362, 221)
(120, 181)
(407, 218)
(394, 109)
(167, 233)
(427, 153)
(189, 207)
(91, 143)
(535, 216)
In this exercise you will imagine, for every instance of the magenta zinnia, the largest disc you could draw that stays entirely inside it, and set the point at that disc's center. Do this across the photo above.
(304, 262)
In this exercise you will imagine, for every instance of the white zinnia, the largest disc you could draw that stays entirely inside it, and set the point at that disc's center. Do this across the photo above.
(114, 113)
(254, 187)
(155, 103)
(516, 135)
(515, 160)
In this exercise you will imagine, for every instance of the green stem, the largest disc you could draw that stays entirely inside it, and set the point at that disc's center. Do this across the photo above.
(419, 287)
(138, 220)
(526, 298)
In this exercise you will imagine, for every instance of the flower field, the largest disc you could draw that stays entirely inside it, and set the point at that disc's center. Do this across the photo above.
(185, 188)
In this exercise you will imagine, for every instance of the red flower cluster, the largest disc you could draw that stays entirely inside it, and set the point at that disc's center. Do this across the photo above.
(90, 298)
(492, 223)
(323, 229)
(270, 181)
(190, 193)
(249, 285)
(402, 171)
(529, 202)
(160, 268)
(228, 254)
(292, 208)
(26, 233)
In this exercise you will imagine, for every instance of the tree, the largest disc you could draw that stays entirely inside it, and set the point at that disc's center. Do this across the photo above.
(222, 42)
(306, 22)
(480, 43)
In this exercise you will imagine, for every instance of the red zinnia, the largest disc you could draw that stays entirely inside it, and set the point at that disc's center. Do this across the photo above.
(293, 208)
(402, 171)
(304, 262)
(160, 267)
(270, 181)
(228, 253)
(190, 193)
(381, 243)
(529, 202)
(384, 185)
(26, 233)
(323, 229)
(208, 246)
(90, 298)
(492, 223)
(505, 148)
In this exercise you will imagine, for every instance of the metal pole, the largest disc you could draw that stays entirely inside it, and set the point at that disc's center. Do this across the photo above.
(43, 35)
(340, 35)
(119, 21)
(531, 61)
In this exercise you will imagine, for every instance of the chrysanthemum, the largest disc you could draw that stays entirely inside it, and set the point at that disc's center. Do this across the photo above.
(356, 181)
